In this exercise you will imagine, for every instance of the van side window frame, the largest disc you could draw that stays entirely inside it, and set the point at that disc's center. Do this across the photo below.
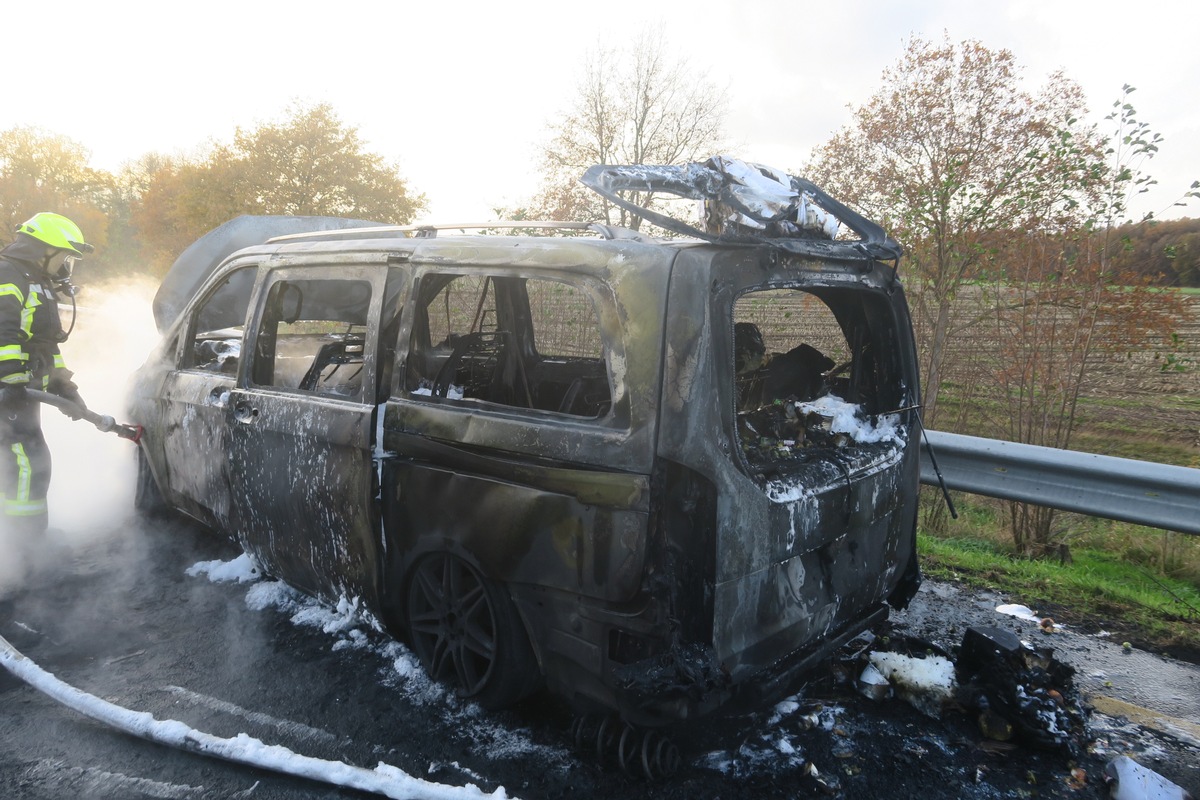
(488, 343)
(350, 346)
(217, 355)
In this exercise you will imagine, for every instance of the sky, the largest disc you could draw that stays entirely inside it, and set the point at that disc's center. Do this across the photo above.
(461, 95)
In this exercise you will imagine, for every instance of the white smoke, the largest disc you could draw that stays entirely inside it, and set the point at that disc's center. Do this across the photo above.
(91, 494)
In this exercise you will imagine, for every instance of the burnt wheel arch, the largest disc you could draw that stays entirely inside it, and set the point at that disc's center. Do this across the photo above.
(148, 498)
(466, 632)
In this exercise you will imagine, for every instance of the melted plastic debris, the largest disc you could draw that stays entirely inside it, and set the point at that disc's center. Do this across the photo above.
(1020, 612)
(1129, 780)
(873, 684)
(782, 709)
(685, 669)
(778, 744)
(926, 683)
(1045, 624)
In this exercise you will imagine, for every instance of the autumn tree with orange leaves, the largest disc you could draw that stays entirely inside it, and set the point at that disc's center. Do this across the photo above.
(941, 155)
(43, 171)
(1006, 204)
(308, 163)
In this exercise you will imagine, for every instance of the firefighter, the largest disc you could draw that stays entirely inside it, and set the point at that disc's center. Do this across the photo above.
(33, 269)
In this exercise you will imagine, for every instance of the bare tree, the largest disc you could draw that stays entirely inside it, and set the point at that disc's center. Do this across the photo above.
(632, 106)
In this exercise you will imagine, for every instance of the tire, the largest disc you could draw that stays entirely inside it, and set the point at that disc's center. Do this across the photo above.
(467, 633)
(147, 498)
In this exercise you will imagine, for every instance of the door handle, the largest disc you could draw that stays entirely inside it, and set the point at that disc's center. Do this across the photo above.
(219, 396)
(244, 412)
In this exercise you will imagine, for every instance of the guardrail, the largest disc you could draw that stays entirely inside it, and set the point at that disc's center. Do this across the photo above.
(1141, 492)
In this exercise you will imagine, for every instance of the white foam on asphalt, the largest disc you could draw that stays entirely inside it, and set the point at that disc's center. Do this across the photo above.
(352, 628)
(241, 570)
(98, 783)
(296, 730)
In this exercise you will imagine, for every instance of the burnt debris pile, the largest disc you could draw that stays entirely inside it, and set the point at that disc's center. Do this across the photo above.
(1015, 692)
(1020, 691)
(791, 405)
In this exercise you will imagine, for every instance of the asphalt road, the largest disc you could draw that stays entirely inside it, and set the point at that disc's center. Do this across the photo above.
(117, 616)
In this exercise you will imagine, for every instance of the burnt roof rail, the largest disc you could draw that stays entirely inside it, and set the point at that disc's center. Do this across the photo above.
(1141, 492)
(427, 231)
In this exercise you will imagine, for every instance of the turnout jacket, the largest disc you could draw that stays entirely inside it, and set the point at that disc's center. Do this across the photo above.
(30, 328)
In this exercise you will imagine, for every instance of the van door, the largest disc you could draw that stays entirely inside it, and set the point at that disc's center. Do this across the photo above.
(522, 429)
(302, 429)
(194, 399)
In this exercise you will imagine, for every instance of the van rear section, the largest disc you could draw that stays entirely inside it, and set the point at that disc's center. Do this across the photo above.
(788, 446)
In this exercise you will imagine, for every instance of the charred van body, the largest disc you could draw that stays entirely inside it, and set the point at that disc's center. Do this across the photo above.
(660, 475)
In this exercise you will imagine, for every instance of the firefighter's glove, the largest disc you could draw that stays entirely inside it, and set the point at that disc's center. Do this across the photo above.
(75, 412)
(12, 395)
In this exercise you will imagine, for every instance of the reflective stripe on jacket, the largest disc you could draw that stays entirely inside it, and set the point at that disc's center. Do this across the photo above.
(30, 327)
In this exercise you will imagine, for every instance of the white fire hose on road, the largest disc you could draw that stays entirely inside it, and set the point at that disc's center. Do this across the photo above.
(384, 780)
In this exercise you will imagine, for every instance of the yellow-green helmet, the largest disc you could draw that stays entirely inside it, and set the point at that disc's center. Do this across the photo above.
(56, 231)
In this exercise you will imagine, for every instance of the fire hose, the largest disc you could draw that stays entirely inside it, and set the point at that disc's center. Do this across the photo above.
(384, 780)
(103, 422)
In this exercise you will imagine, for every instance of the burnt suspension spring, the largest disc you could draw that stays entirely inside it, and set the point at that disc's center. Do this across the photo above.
(639, 752)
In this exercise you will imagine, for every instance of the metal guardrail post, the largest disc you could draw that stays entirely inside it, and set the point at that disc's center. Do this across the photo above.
(1141, 492)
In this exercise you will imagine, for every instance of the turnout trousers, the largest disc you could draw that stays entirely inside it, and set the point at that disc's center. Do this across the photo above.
(24, 468)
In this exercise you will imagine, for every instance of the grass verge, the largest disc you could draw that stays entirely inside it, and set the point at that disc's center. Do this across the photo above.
(1097, 591)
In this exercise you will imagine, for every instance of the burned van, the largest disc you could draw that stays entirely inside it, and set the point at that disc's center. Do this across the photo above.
(657, 474)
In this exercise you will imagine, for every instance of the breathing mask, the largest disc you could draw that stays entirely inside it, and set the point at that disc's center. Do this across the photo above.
(62, 277)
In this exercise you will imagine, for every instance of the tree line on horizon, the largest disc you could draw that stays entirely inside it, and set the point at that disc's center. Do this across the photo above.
(1024, 160)
(152, 208)
(1013, 209)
